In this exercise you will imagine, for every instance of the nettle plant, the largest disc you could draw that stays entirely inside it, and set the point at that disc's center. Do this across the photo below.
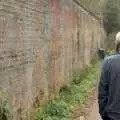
(5, 111)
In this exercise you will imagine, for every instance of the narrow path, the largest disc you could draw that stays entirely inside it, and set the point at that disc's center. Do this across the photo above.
(91, 111)
(93, 114)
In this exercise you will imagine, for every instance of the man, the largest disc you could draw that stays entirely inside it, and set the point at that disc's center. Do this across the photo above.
(109, 86)
(101, 53)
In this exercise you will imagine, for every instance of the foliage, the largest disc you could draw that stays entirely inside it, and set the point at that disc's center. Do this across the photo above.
(79, 76)
(76, 93)
(111, 16)
(5, 112)
(93, 6)
(53, 111)
(110, 52)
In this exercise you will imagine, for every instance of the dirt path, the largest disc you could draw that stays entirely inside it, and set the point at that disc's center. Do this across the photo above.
(90, 112)
(93, 114)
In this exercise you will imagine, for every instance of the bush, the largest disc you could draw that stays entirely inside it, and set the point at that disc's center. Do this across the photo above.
(54, 111)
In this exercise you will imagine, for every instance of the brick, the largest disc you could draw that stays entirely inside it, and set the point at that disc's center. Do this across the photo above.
(42, 42)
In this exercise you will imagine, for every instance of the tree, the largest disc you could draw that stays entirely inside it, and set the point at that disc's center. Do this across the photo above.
(111, 16)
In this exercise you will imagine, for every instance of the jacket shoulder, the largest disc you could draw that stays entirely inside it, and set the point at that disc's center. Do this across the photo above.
(107, 61)
(110, 57)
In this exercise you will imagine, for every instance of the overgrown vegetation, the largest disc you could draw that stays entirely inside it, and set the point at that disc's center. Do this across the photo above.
(93, 6)
(5, 111)
(111, 16)
(77, 93)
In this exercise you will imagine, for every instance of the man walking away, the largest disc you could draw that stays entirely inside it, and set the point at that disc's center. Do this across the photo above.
(101, 53)
(109, 86)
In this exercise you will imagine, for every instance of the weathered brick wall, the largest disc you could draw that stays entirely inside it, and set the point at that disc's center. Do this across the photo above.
(41, 43)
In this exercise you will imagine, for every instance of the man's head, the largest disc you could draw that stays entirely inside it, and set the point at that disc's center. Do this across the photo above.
(117, 42)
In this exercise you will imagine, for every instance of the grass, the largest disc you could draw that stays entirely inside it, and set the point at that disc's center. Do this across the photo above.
(76, 94)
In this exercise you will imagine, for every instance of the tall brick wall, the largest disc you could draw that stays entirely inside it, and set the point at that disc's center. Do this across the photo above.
(42, 42)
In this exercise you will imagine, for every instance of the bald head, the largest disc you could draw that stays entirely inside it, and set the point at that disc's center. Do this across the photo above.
(117, 38)
(117, 42)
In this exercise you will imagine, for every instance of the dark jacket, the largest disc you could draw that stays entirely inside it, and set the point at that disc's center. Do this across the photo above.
(109, 88)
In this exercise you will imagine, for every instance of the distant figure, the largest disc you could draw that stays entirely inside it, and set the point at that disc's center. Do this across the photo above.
(109, 86)
(101, 53)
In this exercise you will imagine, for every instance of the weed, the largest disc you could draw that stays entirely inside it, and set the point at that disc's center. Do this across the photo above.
(77, 93)
(53, 111)
(5, 113)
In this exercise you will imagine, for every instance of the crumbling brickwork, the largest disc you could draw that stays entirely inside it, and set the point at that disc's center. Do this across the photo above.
(42, 42)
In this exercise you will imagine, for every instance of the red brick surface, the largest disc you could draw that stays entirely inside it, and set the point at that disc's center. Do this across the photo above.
(41, 43)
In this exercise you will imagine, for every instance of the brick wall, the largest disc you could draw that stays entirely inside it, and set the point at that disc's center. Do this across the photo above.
(41, 43)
